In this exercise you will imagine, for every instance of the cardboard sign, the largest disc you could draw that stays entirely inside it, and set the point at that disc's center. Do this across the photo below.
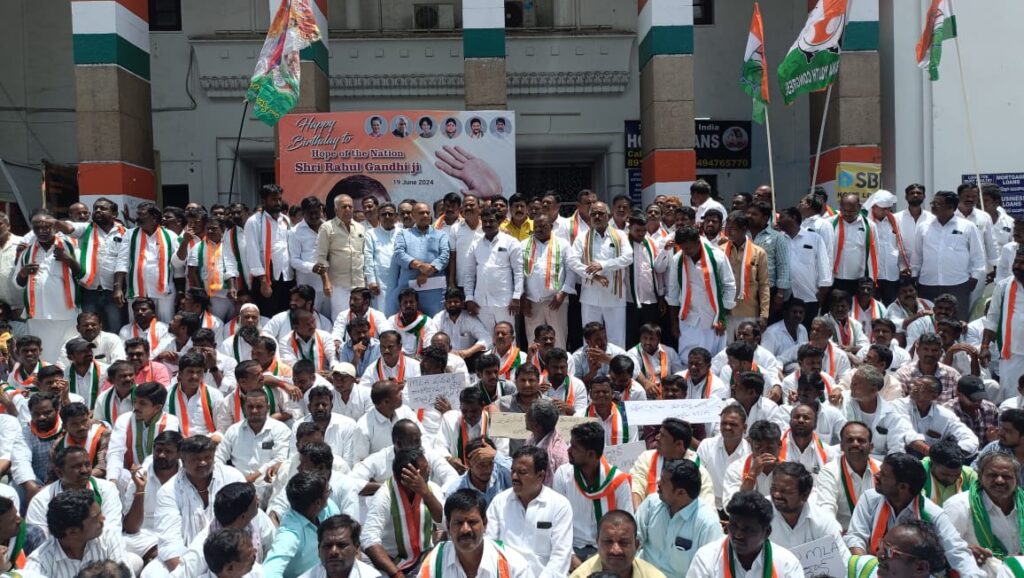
(820, 557)
(424, 390)
(513, 425)
(653, 412)
(623, 456)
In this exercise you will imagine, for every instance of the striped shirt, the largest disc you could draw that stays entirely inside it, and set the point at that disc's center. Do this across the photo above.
(50, 560)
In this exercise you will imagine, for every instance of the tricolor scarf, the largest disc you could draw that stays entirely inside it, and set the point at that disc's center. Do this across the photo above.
(590, 252)
(652, 253)
(830, 352)
(568, 396)
(509, 362)
(875, 310)
(369, 319)
(746, 267)
(826, 379)
(552, 258)
(399, 371)
(154, 339)
(899, 239)
(870, 250)
(178, 407)
(16, 554)
(269, 224)
(236, 251)
(885, 514)
(602, 493)
(436, 569)
(29, 293)
(787, 438)
(574, 230)
(22, 379)
(706, 394)
(110, 406)
(416, 328)
(140, 437)
(1007, 309)
(318, 355)
(655, 374)
(89, 250)
(464, 437)
(94, 390)
(237, 396)
(91, 442)
(137, 262)
(49, 435)
(983, 524)
(210, 262)
(712, 283)
(847, 480)
(619, 433)
(843, 332)
(729, 562)
(412, 523)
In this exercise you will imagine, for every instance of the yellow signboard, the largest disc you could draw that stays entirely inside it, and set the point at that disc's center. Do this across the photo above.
(861, 178)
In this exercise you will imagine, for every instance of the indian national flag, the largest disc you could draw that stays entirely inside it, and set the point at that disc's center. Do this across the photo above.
(940, 25)
(813, 61)
(755, 67)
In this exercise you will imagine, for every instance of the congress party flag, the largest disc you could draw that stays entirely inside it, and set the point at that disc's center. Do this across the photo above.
(755, 67)
(940, 25)
(274, 89)
(813, 61)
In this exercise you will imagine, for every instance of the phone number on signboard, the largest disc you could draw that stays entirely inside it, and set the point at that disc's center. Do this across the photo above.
(723, 164)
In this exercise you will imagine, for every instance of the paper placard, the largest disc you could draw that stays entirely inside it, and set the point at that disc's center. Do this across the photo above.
(513, 425)
(653, 412)
(623, 456)
(423, 390)
(820, 557)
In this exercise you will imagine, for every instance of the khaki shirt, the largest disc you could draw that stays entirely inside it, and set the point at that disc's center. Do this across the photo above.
(341, 250)
(759, 296)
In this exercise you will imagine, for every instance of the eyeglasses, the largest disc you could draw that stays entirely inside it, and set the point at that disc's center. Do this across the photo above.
(387, 214)
(888, 551)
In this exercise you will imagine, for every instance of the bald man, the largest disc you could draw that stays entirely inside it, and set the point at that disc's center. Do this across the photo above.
(339, 254)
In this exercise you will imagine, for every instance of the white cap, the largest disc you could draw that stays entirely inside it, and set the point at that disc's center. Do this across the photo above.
(343, 368)
(880, 198)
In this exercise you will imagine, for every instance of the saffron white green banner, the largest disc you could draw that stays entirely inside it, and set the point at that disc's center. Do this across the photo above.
(812, 64)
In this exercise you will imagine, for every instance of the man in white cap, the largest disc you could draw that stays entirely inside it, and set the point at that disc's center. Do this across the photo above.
(350, 400)
(893, 258)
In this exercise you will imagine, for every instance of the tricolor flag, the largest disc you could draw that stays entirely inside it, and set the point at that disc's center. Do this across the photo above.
(274, 89)
(755, 67)
(813, 61)
(940, 25)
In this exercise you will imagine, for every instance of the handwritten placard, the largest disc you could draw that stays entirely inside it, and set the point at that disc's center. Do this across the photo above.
(423, 391)
(653, 412)
(820, 557)
(513, 425)
(623, 456)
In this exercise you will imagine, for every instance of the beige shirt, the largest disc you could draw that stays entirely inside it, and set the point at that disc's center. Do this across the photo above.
(758, 294)
(341, 249)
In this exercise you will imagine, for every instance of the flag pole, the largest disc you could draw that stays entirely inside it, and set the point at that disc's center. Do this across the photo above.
(821, 138)
(771, 158)
(967, 114)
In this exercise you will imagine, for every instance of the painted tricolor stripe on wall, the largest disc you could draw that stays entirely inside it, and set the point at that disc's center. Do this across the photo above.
(862, 26)
(668, 172)
(483, 28)
(109, 32)
(317, 52)
(665, 27)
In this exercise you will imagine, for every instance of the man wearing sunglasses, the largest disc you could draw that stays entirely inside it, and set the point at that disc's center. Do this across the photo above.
(909, 550)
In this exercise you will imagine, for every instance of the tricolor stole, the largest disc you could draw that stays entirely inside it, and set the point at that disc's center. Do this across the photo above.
(137, 260)
(435, 568)
(17, 553)
(509, 363)
(88, 254)
(874, 311)
(819, 448)
(460, 447)
(712, 283)
(745, 267)
(177, 406)
(412, 523)
(620, 427)
(415, 328)
(847, 480)
(602, 494)
(885, 514)
(94, 390)
(91, 443)
(553, 258)
(870, 250)
(209, 266)
(588, 257)
(138, 446)
(29, 256)
(236, 251)
(729, 566)
(315, 353)
(1007, 308)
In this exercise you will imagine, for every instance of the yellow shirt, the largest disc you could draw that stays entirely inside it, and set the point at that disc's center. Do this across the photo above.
(641, 569)
(341, 249)
(521, 232)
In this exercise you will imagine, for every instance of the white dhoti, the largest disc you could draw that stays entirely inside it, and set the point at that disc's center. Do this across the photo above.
(613, 318)
(490, 316)
(52, 332)
(140, 542)
(1010, 371)
(542, 314)
(691, 337)
(339, 301)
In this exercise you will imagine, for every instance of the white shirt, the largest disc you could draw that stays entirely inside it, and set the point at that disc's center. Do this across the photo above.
(360, 569)
(158, 329)
(302, 255)
(547, 549)
(651, 364)
(777, 339)
(249, 451)
(377, 428)
(451, 427)
(584, 522)
(940, 424)
(109, 244)
(460, 237)
(908, 226)
(296, 348)
(1003, 526)
(50, 292)
(413, 342)
(611, 261)
(1002, 229)
(950, 254)
(82, 385)
(120, 447)
(900, 356)
(829, 494)
(344, 492)
(890, 259)
(581, 399)
(534, 286)
(378, 251)
(701, 314)
(348, 440)
(180, 512)
(50, 560)
(380, 371)
(149, 498)
(983, 222)
(809, 457)
(195, 414)
(151, 268)
(340, 330)
(890, 433)
(812, 524)
(830, 419)
(648, 273)
(1004, 267)
(822, 225)
(764, 359)
(708, 563)
(110, 506)
(898, 313)
(716, 461)
(13, 447)
(696, 390)
(376, 467)
(810, 265)
(494, 271)
(853, 261)
(488, 568)
(734, 479)
(1000, 295)
(463, 332)
(833, 361)
(379, 529)
(255, 245)
(358, 405)
(280, 325)
(226, 265)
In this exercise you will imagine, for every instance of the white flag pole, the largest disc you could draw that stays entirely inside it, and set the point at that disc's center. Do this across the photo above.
(821, 138)
(967, 111)
(771, 158)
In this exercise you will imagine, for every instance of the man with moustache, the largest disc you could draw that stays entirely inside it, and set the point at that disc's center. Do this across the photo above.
(338, 547)
(843, 481)
(988, 514)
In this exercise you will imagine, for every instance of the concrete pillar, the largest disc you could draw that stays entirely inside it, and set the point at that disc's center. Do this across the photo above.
(666, 98)
(112, 93)
(483, 47)
(853, 127)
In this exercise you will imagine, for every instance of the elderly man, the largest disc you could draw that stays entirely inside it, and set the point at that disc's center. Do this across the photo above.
(421, 254)
(339, 254)
(987, 514)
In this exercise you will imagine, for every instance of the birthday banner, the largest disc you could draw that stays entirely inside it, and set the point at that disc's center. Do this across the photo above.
(397, 154)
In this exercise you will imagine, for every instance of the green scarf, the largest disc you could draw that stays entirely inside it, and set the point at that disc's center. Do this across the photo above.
(983, 525)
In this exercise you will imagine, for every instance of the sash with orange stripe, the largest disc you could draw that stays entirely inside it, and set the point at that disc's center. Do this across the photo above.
(509, 363)
(648, 369)
(602, 493)
(91, 442)
(884, 515)
(712, 283)
(17, 553)
(851, 494)
(1007, 309)
(138, 442)
(436, 569)
(178, 407)
(318, 356)
(89, 250)
(620, 427)
(870, 250)
(416, 328)
(554, 268)
(745, 268)
(729, 564)
(460, 447)
(209, 266)
(154, 339)
(590, 252)
(787, 438)
(70, 287)
(412, 523)
(137, 262)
